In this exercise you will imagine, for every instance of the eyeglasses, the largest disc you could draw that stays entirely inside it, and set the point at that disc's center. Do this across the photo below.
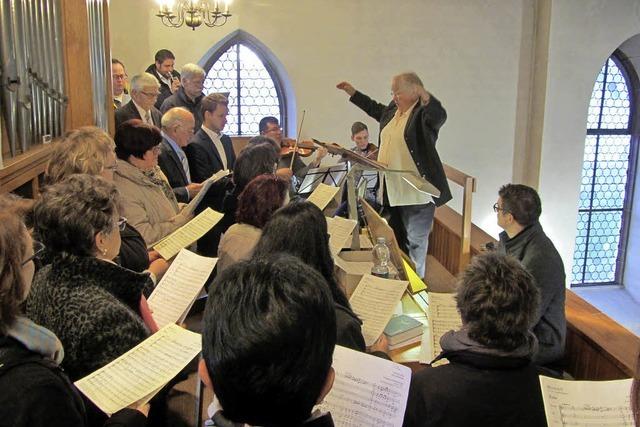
(119, 76)
(122, 223)
(151, 95)
(38, 248)
(497, 208)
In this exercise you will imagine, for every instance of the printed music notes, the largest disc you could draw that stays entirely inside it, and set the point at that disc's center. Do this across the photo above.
(367, 391)
(188, 233)
(442, 317)
(339, 230)
(322, 195)
(173, 296)
(206, 185)
(137, 375)
(374, 301)
(587, 403)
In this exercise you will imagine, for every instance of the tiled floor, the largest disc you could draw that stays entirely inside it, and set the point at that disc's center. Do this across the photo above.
(616, 303)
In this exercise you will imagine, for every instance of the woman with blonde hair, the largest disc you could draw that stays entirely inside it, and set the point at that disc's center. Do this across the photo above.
(90, 150)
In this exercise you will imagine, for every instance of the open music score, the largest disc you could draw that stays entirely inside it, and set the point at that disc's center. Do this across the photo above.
(137, 375)
(173, 297)
(374, 301)
(587, 403)
(206, 185)
(322, 195)
(188, 233)
(339, 230)
(442, 317)
(367, 391)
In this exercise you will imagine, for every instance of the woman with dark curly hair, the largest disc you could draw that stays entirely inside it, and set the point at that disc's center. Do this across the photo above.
(490, 379)
(256, 204)
(93, 305)
(35, 391)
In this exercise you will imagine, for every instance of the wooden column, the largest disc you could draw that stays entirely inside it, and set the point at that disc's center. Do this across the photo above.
(75, 36)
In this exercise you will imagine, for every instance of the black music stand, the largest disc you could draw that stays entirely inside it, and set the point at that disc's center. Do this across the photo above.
(330, 175)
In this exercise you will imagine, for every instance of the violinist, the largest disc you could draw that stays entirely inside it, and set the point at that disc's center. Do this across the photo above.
(270, 127)
(360, 135)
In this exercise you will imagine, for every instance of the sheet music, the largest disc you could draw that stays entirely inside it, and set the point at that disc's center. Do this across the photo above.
(367, 391)
(442, 317)
(354, 267)
(339, 230)
(188, 233)
(374, 301)
(135, 376)
(193, 204)
(179, 287)
(322, 195)
(587, 403)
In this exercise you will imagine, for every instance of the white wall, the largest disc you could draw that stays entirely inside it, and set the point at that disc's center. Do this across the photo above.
(467, 52)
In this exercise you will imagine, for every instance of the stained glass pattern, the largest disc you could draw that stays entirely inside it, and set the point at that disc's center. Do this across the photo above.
(604, 180)
(252, 92)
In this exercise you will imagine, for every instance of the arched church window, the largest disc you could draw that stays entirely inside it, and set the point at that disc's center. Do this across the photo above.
(241, 70)
(607, 179)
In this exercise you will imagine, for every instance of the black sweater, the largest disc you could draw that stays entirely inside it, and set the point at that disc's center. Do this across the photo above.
(476, 390)
(539, 256)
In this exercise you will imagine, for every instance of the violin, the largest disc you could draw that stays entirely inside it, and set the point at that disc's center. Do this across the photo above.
(304, 148)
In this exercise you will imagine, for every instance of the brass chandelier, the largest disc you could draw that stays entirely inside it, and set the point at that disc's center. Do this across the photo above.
(194, 13)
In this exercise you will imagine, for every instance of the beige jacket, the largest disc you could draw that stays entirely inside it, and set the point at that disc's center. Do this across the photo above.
(237, 244)
(145, 205)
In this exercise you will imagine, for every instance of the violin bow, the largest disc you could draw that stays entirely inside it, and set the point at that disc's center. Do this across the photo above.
(295, 147)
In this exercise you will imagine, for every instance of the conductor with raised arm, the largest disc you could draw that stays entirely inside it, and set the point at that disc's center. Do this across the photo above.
(409, 127)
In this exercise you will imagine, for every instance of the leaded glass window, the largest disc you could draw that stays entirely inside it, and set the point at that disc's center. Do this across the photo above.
(605, 181)
(253, 91)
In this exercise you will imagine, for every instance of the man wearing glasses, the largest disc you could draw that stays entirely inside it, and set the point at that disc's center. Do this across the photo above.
(144, 92)
(119, 84)
(518, 209)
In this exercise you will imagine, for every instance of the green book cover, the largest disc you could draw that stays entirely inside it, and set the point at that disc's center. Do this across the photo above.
(400, 324)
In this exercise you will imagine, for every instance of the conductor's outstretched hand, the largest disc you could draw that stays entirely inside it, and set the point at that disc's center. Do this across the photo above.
(347, 87)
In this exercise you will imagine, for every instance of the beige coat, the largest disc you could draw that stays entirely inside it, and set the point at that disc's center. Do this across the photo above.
(145, 205)
(237, 244)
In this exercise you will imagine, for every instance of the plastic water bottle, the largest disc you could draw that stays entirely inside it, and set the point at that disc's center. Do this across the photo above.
(381, 257)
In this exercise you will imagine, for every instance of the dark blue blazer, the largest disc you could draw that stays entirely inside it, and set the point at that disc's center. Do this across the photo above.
(204, 159)
(171, 166)
(129, 111)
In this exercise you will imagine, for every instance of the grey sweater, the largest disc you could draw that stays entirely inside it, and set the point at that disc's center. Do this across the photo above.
(539, 256)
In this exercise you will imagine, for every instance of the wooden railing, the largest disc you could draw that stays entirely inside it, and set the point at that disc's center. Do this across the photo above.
(25, 168)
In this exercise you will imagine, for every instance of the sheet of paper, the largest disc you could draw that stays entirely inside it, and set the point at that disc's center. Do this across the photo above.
(587, 403)
(416, 284)
(179, 287)
(442, 317)
(322, 195)
(188, 233)
(339, 230)
(193, 204)
(353, 267)
(367, 391)
(143, 370)
(374, 301)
